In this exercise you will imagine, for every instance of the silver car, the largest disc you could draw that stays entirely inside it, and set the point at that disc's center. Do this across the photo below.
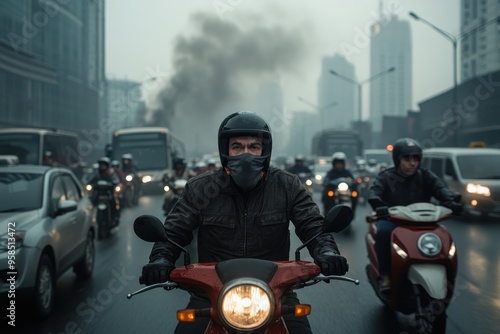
(46, 227)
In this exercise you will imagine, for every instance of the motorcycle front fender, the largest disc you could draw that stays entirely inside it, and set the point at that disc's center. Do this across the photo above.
(432, 277)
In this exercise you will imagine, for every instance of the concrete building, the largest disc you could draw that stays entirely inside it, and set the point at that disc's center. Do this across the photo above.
(336, 97)
(480, 38)
(52, 65)
(390, 93)
(302, 130)
(270, 105)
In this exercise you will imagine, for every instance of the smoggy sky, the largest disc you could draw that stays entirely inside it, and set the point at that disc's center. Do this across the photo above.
(142, 41)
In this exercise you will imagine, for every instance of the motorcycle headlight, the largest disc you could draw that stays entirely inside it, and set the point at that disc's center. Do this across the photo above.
(118, 189)
(166, 189)
(88, 187)
(429, 244)
(129, 178)
(343, 186)
(309, 182)
(246, 304)
(318, 177)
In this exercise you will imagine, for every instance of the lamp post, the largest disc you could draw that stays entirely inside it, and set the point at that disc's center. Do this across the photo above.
(453, 41)
(360, 86)
(319, 109)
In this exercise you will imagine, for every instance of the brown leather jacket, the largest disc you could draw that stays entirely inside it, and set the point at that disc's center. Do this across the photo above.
(234, 225)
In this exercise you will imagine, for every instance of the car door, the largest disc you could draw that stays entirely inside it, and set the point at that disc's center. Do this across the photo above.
(65, 238)
(451, 178)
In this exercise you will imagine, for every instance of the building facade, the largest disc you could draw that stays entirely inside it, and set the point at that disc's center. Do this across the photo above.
(52, 65)
(336, 97)
(480, 38)
(390, 93)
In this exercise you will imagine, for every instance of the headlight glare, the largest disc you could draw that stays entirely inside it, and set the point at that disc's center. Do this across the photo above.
(246, 304)
(343, 186)
(478, 189)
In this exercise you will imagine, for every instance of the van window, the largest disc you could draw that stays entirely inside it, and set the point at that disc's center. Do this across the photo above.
(24, 146)
(436, 166)
(449, 169)
(479, 166)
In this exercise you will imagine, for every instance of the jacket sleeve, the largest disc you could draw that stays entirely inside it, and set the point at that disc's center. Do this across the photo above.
(438, 189)
(179, 224)
(376, 196)
(307, 219)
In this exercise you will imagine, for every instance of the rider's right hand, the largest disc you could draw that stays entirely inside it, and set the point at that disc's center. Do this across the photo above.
(157, 271)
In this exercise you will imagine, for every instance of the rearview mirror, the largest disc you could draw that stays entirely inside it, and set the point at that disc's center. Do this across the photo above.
(338, 218)
(150, 228)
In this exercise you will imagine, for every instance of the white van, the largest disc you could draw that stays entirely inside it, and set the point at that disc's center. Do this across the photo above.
(472, 172)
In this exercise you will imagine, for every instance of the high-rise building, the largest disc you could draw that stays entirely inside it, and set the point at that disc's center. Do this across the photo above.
(391, 93)
(270, 106)
(480, 41)
(336, 96)
(52, 64)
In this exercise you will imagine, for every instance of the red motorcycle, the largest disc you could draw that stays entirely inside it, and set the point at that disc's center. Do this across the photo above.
(423, 264)
(245, 293)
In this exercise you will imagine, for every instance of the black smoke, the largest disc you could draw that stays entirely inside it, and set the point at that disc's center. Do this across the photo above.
(217, 70)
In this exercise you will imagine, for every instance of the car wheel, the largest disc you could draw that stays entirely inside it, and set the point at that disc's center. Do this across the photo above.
(44, 293)
(83, 269)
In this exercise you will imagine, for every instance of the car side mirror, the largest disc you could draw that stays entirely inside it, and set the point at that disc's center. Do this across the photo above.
(65, 206)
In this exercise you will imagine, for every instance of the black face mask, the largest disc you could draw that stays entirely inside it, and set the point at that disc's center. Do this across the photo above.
(245, 169)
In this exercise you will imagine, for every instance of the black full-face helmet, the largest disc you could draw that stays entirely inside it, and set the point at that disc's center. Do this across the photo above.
(406, 147)
(244, 123)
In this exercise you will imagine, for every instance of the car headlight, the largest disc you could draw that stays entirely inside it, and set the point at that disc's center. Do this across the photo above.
(12, 241)
(478, 189)
(146, 179)
(246, 304)
(429, 244)
(343, 186)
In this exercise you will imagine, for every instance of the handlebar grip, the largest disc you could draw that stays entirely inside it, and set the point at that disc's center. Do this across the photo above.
(141, 280)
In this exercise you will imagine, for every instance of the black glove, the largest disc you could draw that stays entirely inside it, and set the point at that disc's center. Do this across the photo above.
(382, 211)
(157, 271)
(457, 208)
(332, 263)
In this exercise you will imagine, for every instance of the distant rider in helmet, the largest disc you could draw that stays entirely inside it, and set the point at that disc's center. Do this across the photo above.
(339, 162)
(404, 184)
(106, 173)
(245, 183)
(300, 166)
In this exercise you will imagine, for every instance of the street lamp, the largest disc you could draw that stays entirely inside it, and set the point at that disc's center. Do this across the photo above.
(319, 109)
(360, 85)
(454, 41)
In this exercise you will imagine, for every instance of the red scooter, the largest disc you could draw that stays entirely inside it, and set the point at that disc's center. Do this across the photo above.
(423, 264)
(245, 293)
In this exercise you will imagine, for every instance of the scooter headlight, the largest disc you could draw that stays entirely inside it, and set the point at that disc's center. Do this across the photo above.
(343, 186)
(309, 182)
(429, 244)
(129, 178)
(88, 187)
(246, 304)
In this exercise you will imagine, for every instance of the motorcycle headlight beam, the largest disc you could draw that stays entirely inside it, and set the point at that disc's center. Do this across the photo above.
(343, 186)
(247, 304)
(429, 244)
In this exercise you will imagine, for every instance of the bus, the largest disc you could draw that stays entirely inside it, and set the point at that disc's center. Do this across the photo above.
(329, 141)
(153, 150)
(34, 145)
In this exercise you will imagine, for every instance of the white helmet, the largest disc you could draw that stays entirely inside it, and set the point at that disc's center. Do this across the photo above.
(339, 156)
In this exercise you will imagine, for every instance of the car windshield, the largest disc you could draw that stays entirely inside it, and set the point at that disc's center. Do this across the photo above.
(20, 191)
(479, 166)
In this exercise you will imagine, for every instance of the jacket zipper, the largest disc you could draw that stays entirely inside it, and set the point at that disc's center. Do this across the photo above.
(245, 232)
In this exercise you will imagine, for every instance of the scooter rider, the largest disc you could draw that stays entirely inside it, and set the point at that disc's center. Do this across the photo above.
(299, 166)
(105, 173)
(235, 222)
(404, 184)
(339, 162)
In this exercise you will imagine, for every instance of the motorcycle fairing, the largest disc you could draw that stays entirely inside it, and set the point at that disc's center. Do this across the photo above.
(432, 277)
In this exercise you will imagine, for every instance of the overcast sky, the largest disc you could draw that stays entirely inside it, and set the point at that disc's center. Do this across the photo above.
(140, 37)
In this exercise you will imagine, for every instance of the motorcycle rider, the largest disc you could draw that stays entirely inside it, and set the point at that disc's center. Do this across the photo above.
(106, 173)
(248, 186)
(180, 172)
(299, 166)
(339, 162)
(403, 184)
(129, 168)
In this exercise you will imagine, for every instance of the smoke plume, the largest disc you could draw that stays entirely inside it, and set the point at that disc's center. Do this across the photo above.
(217, 71)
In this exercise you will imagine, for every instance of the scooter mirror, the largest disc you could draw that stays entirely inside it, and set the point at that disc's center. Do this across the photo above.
(150, 228)
(338, 218)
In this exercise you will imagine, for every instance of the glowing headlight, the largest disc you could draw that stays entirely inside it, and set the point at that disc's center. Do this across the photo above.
(246, 304)
(399, 250)
(88, 187)
(309, 182)
(129, 178)
(318, 177)
(429, 244)
(343, 186)
(118, 189)
(166, 189)
(453, 250)
(478, 189)
(146, 179)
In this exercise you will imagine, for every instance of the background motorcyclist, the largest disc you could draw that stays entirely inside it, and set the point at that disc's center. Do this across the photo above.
(403, 184)
(129, 168)
(339, 162)
(106, 173)
(180, 172)
(115, 164)
(246, 183)
(300, 166)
